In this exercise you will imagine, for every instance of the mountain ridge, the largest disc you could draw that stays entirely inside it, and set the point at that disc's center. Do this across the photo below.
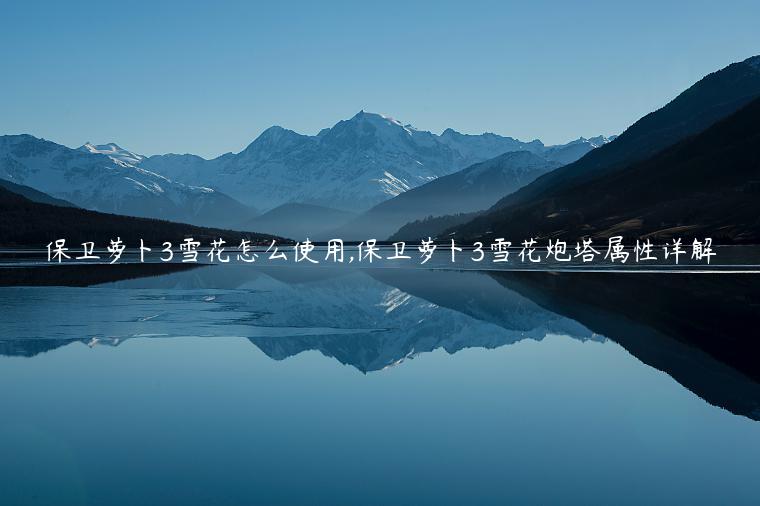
(710, 99)
(474, 188)
(705, 185)
(353, 165)
(24, 222)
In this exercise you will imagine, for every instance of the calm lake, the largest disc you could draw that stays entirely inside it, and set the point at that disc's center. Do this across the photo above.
(245, 384)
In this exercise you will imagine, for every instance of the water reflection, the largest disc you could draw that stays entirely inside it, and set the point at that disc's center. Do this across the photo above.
(357, 316)
(698, 329)
(526, 387)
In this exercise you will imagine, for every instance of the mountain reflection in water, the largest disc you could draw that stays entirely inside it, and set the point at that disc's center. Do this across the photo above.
(699, 329)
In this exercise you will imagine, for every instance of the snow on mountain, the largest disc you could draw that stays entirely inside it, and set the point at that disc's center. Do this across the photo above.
(601, 140)
(353, 165)
(106, 182)
(113, 151)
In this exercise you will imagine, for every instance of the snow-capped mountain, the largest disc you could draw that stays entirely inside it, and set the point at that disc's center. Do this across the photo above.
(114, 151)
(353, 165)
(102, 182)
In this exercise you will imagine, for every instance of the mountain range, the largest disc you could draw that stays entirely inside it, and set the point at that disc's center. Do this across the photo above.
(351, 166)
(100, 182)
(347, 168)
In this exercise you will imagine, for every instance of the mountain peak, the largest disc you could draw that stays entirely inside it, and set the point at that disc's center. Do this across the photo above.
(376, 118)
(365, 115)
(600, 140)
(274, 136)
(93, 148)
(274, 130)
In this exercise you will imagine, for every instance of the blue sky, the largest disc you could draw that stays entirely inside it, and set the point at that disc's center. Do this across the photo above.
(208, 79)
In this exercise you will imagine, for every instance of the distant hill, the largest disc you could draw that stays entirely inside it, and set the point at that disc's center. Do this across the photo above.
(34, 195)
(299, 221)
(27, 223)
(712, 98)
(706, 185)
(477, 187)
